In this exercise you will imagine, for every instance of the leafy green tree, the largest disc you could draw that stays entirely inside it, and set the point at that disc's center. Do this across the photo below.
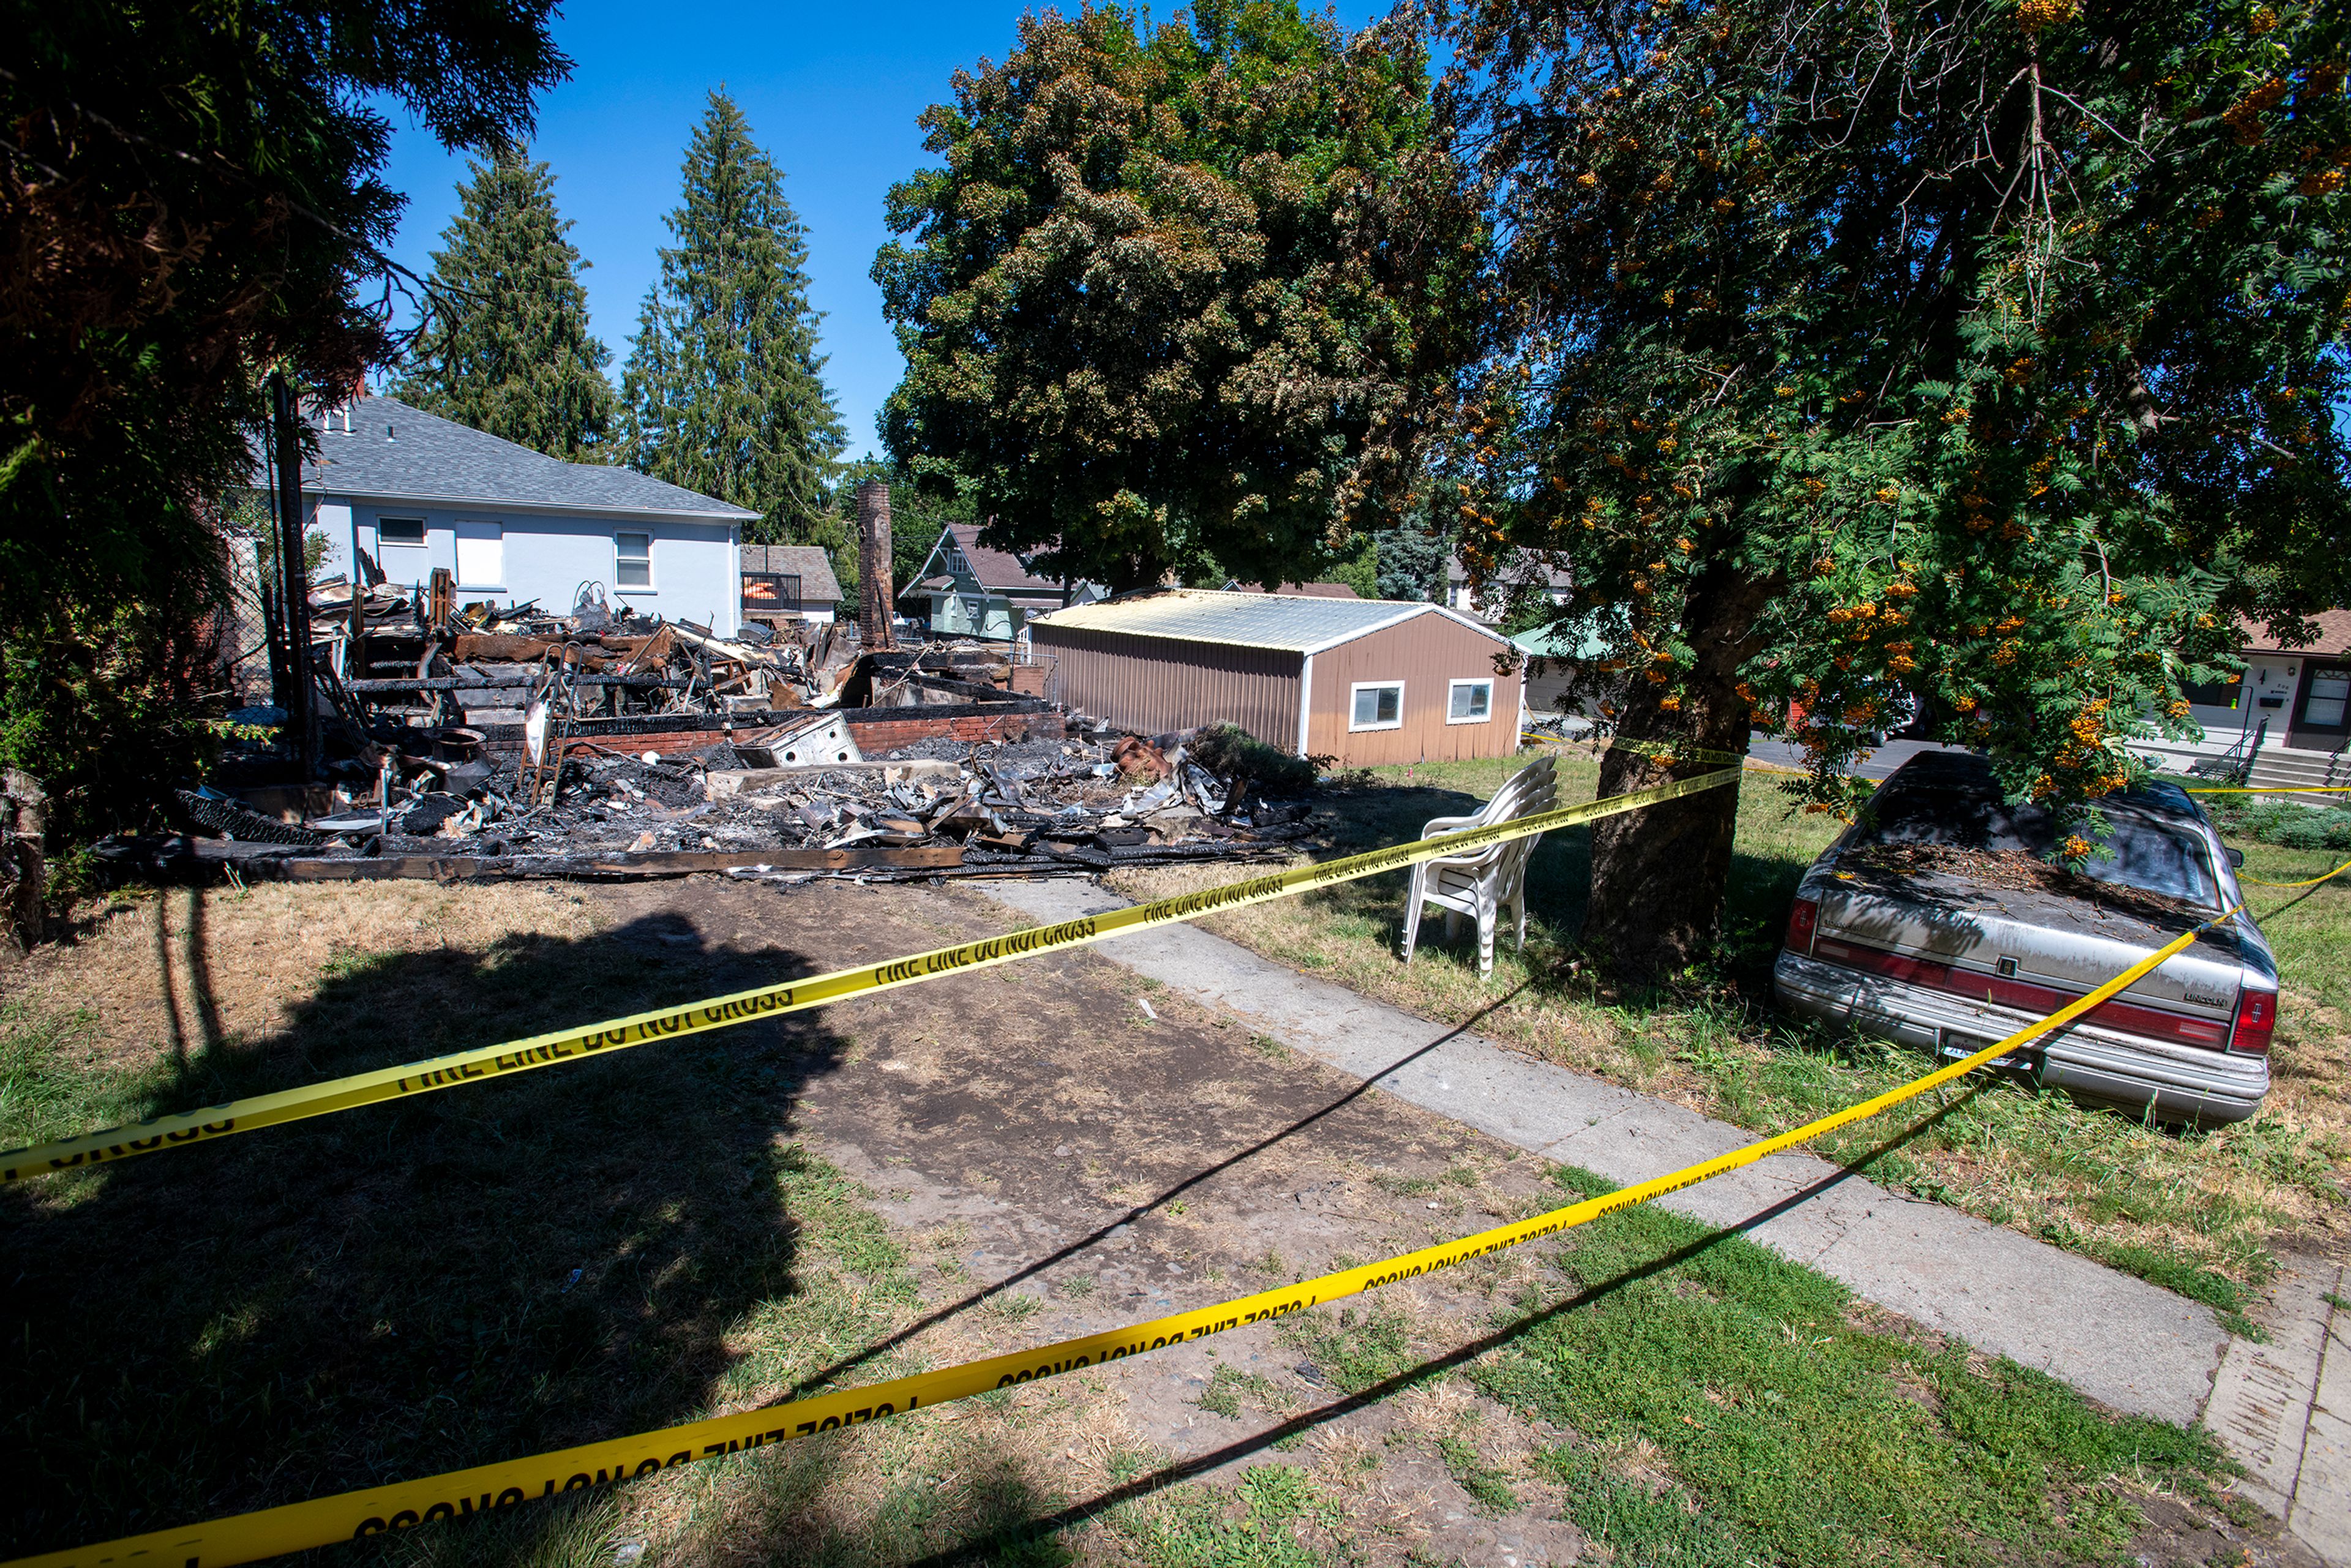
(508, 348)
(723, 388)
(1870, 354)
(1149, 302)
(192, 197)
(1359, 570)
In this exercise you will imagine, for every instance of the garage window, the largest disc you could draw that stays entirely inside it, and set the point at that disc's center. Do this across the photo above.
(1378, 705)
(1470, 702)
(635, 566)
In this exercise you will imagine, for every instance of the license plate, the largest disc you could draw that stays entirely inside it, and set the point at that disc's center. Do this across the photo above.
(1955, 1046)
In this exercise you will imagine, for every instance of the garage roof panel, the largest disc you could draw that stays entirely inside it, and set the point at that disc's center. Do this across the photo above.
(1293, 623)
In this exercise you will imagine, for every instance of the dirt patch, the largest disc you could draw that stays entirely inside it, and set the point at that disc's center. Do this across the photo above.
(1060, 1179)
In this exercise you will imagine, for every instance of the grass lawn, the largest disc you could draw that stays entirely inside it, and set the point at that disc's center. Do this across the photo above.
(1730, 1407)
(676, 1232)
(2201, 1212)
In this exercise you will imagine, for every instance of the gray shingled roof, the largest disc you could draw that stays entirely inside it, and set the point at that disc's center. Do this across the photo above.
(1248, 620)
(400, 453)
(808, 562)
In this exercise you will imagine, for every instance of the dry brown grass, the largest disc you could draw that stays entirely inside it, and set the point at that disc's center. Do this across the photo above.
(165, 971)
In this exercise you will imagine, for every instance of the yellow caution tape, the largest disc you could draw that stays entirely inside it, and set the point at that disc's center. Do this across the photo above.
(719, 1012)
(2314, 881)
(321, 1522)
(1667, 752)
(2266, 788)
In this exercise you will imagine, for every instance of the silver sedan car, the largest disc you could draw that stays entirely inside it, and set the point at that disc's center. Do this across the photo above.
(1936, 920)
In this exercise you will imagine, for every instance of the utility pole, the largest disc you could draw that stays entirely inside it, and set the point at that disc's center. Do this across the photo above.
(293, 578)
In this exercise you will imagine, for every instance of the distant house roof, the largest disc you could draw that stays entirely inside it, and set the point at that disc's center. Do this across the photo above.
(2333, 635)
(1576, 640)
(807, 563)
(380, 447)
(1000, 571)
(1522, 570)
(1293, 623)
(1300, 590)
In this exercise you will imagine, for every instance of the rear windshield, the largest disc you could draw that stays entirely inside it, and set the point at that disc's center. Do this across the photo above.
(2134, 852)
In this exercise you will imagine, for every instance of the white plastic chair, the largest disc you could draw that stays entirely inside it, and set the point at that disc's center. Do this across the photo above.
(1478, 883)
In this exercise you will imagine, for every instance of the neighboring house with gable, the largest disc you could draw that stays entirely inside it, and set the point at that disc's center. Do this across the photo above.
(1491, 601)
(399, 492)
(967, 590)
(2303, 694)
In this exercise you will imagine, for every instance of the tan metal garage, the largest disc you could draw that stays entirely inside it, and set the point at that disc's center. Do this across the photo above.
(1365, 681)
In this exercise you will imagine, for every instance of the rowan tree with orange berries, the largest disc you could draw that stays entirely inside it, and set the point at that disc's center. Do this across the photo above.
(1981, 359)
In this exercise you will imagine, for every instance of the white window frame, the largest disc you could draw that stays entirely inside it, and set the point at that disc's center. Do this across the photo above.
(652, 584)
(1355, 694)
(483, 530)
(405, 569)
(1452, 686)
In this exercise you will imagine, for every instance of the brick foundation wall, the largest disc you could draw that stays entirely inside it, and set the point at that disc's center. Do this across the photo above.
(874, 737)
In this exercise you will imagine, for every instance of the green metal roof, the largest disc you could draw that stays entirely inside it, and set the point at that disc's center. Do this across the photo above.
(1577, 640)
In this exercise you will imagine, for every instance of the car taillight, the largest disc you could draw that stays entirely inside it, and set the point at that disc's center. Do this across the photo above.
(2256, 1021)
(1803, 919)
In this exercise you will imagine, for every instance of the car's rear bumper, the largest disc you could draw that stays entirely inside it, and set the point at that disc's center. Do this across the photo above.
(2183, 1084)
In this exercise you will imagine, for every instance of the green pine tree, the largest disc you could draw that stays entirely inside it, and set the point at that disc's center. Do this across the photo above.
(724, 389)
(509, 350)
(1414, 554)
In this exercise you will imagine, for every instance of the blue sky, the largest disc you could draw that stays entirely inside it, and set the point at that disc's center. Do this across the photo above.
(831, 92)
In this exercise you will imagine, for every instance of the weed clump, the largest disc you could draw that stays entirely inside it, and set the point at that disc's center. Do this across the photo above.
(1231, 752)
(2287, 825)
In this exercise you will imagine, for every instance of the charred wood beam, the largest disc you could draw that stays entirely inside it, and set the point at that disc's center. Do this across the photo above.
(281, 863)
(520, 683)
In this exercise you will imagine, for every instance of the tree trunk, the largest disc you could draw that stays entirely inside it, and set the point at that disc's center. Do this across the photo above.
(1658, 873)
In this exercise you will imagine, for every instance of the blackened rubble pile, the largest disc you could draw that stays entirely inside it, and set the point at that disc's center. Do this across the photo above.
(420, 663)
(936, 808)
(1018, 807)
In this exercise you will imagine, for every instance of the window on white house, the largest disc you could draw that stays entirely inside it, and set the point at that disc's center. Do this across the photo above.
(399, 550)
(1378, 705)
(2330, 691)
(635, 569)
(481, 555)
(1471, 701)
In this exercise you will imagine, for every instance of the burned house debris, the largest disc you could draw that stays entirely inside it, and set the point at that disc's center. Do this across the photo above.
(461, 740)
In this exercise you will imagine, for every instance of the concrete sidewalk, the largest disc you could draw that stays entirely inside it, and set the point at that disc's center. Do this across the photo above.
(2123, 1341)
(2282, 1409)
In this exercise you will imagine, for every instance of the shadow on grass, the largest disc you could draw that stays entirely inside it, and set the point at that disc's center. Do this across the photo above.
(406, 1288)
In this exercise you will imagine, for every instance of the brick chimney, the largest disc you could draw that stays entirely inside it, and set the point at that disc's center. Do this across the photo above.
(876, 594)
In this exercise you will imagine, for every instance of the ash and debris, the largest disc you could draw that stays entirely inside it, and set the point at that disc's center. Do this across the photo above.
(1024, 804)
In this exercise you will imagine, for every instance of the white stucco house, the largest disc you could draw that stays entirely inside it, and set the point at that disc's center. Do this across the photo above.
(405, 492)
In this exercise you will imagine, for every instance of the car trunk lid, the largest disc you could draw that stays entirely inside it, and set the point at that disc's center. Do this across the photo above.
(2032, 947)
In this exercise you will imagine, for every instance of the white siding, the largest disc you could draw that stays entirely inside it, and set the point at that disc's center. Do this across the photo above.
(545, 557)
